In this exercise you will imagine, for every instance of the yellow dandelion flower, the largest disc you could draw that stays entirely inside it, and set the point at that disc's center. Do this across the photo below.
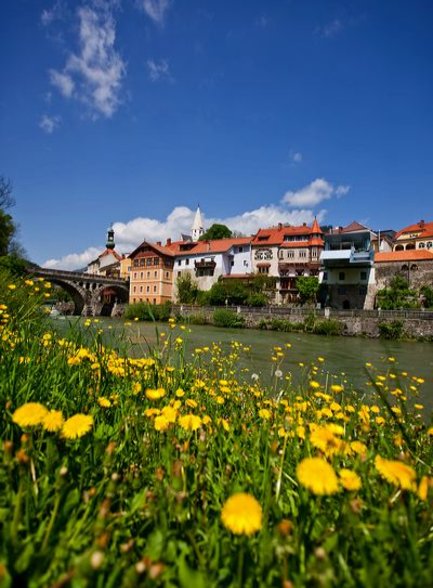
(317, 475)
(170, 413)
(424, 486)
(265, 414)
(430, 431)
(53, 421)
(179, 393)
(190, 422)
(325, 440)
(77, 426)
(242, 514)
(155, 394)
(161, 423)
(191, 403)
(315, 385)
(349, 479)
(396, 472)
(104, 402)
(336, 388)
(30, 414)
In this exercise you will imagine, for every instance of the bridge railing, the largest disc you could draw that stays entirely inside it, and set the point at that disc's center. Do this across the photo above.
(77, 276)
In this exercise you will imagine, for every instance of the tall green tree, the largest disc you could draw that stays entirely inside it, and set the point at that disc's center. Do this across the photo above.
(307, 286)
(216, 231)
(7, 225)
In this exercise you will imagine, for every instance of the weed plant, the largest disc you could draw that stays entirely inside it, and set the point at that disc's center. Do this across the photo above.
(162, 471)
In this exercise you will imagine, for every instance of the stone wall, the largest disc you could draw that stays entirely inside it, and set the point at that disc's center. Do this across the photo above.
(419, 273)
(356, 322)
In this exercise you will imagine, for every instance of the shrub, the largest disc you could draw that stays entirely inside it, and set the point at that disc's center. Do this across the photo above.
(328, 327)
(257, 299)
(227, 318)
(285, 326)
(391, 330)
(197, 319)
(144, 311)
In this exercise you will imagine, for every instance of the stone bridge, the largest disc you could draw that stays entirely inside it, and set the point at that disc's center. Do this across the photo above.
(92, 294)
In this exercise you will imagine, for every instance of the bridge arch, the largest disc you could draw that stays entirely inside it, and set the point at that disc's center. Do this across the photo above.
(77, 293)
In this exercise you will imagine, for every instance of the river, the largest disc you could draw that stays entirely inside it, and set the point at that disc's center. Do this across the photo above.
(345, 358)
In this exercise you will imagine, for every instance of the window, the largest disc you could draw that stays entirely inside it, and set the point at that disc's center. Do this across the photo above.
(147, 288)
(281, 254)
(232, 263)
(141, 288)
(291, 255)
(142, 261)
(156, 261)
(186, 261)
(133, 289)
(141, 275)
(302, 253)
(421, 245)
(341, 290)
(240, 250)
(363, 275)
(148, 274)
(341, 276)
(149, 261)
(245, 263)
(154, 301)
(204, 271)
(156, 274)
(135, 275)
(325, 276)
(264, 270)
(429, 245)
(167, 274)
(154, 288)
(263, 254)
(179, 274)
(179, 262)
(362, 290)
(314, 252)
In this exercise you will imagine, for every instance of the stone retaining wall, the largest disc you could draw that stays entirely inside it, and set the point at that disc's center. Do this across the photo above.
(359, 322)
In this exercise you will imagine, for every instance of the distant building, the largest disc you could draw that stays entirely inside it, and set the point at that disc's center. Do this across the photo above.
(108, 262)
(418, 236)
(286, 253)
(415, 265)
(151, 273)
(207, 261)
(347, 272)
(197, 229)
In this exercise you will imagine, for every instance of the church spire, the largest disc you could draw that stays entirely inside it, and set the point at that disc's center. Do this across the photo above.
(197, 229)
(110, 244)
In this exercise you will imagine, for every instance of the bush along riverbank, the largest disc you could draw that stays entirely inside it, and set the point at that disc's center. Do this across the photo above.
(161, 471)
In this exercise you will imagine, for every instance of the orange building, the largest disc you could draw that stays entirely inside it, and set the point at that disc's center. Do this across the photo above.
(418, 236)
(151, 274)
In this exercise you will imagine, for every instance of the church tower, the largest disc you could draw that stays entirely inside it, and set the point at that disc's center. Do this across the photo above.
(110, 244)
(197, 229)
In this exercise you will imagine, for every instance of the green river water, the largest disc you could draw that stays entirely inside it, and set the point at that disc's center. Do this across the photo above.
(345, 357)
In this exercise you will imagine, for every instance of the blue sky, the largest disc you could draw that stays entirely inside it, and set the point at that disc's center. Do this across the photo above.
(134, 111)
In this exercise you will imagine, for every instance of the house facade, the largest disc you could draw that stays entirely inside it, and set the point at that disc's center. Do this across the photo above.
(151, 274)
(286, 253)
(207, 261)
(347, 267)
(417, 236)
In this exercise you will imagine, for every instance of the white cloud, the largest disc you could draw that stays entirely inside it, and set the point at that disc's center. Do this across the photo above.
(49, 123)
(73, 260)
(56, 12)
(63, 82)
(341, 191)
(129, 235)
(158, 70)
(314, 193)
(94, 75)
(295, 156)
(156, 9)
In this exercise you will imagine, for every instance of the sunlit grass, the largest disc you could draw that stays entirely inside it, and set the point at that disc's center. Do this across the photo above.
(179, 470)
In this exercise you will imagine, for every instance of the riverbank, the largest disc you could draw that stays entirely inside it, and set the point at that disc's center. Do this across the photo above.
(391, 324)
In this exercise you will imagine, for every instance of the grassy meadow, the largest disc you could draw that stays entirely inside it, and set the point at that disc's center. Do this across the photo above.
(179, 471)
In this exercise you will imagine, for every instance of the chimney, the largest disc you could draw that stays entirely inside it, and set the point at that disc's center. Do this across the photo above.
(158, 243)
(304, 224)
(421, 224)
(280, 226)
(168, 243)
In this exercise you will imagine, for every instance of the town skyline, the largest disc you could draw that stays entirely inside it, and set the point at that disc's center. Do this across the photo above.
(134, 111)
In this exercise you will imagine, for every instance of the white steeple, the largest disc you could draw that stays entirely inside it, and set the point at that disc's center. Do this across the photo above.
(197, 229)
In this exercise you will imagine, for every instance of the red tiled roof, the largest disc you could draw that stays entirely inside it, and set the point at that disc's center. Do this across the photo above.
(411, 255)
(110, 252)
(275, 235)
(316, 227)
(208, 247)
(354, 226)
(425, 230)
(158, 248)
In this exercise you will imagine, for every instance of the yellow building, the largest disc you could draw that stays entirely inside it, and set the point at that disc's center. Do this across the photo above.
(151, 274)
(125, 267)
